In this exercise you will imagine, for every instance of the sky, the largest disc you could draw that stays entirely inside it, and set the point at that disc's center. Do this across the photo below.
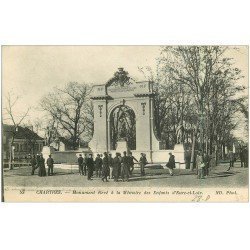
(32, 71)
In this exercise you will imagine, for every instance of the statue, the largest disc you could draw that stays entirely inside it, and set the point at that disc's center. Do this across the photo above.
(122, 130)
(179, 133)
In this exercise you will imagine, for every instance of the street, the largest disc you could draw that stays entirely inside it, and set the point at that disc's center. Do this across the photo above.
(219, 177)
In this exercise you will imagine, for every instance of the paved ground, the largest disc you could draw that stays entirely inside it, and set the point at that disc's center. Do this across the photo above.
(237, 177)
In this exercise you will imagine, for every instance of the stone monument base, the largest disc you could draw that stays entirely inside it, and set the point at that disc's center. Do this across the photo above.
(179, 154)
(122, 146)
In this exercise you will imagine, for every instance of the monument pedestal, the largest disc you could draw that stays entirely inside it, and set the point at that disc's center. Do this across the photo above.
(179, 154)
(122, 146)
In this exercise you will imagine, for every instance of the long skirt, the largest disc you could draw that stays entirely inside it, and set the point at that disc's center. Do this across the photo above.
(42, 171)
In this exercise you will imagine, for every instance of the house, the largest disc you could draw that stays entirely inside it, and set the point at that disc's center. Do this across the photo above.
(25, 142)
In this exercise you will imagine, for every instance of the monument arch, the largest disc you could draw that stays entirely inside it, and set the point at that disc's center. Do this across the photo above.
(124, 92)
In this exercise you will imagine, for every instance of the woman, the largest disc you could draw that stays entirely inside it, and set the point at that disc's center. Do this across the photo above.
(171, 164)
(41, 165)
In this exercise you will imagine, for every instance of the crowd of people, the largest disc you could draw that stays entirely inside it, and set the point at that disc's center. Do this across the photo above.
(206, 163)
(106, 167)
(38, 162)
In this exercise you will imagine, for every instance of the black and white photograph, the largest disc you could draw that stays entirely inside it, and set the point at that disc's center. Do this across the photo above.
(125, 123)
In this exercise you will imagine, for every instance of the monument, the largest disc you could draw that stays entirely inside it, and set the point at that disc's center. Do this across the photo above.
(124, 119)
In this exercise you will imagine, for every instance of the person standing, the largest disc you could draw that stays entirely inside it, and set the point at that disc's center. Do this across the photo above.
(105, 167)
(125, 167)
(143, 162)
(90, 166)
(242, 158)
(33, 164)
(200, 165)
(50, 164)
(120, 166)
(116, 167)
(246, 157)
(85, 164)
(231, 160)
(80, 164)
(171, 164)
(42, 170)
(131, 163)
(110, 173)
(98, 165)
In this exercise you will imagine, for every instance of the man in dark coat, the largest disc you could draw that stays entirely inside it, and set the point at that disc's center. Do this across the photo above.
(125, 167)
(116, 167)
(90, 166)
(105, 167)
(231, 160)
(143, 162)
(241, 157)
(171, 164)
(80, 164)
(33, 164)
(50, 164)
(131, 163)
(98, 165)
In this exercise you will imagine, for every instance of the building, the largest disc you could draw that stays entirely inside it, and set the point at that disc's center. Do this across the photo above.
(25, 142)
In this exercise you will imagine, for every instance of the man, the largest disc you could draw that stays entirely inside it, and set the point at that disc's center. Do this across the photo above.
(231, 160)
(105, 167)
(90, 166)
(200, 165)
(125, 167)
(98, 165)
(85, 164)
(242, 157)
(143, 162)
(116, 167)
(171, 164)
(50, 164)
(120, 166)
(110, 173)
(131, 163)
(246, 157)
(33, 164)
(80, 164)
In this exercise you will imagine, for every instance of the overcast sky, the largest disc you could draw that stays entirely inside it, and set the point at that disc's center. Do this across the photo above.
(32, 71)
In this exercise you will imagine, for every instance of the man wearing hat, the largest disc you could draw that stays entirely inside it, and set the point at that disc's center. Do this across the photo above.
(90, 166)
(33, 164)
(125, 167)
(50, 164)
(80, 164)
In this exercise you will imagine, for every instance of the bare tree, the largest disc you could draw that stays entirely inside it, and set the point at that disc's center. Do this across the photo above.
(15, 120)
(71, 109)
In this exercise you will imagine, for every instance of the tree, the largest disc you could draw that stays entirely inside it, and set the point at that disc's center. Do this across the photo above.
(15, 119)
(70, 108)
(197, 89)
(211, 80)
